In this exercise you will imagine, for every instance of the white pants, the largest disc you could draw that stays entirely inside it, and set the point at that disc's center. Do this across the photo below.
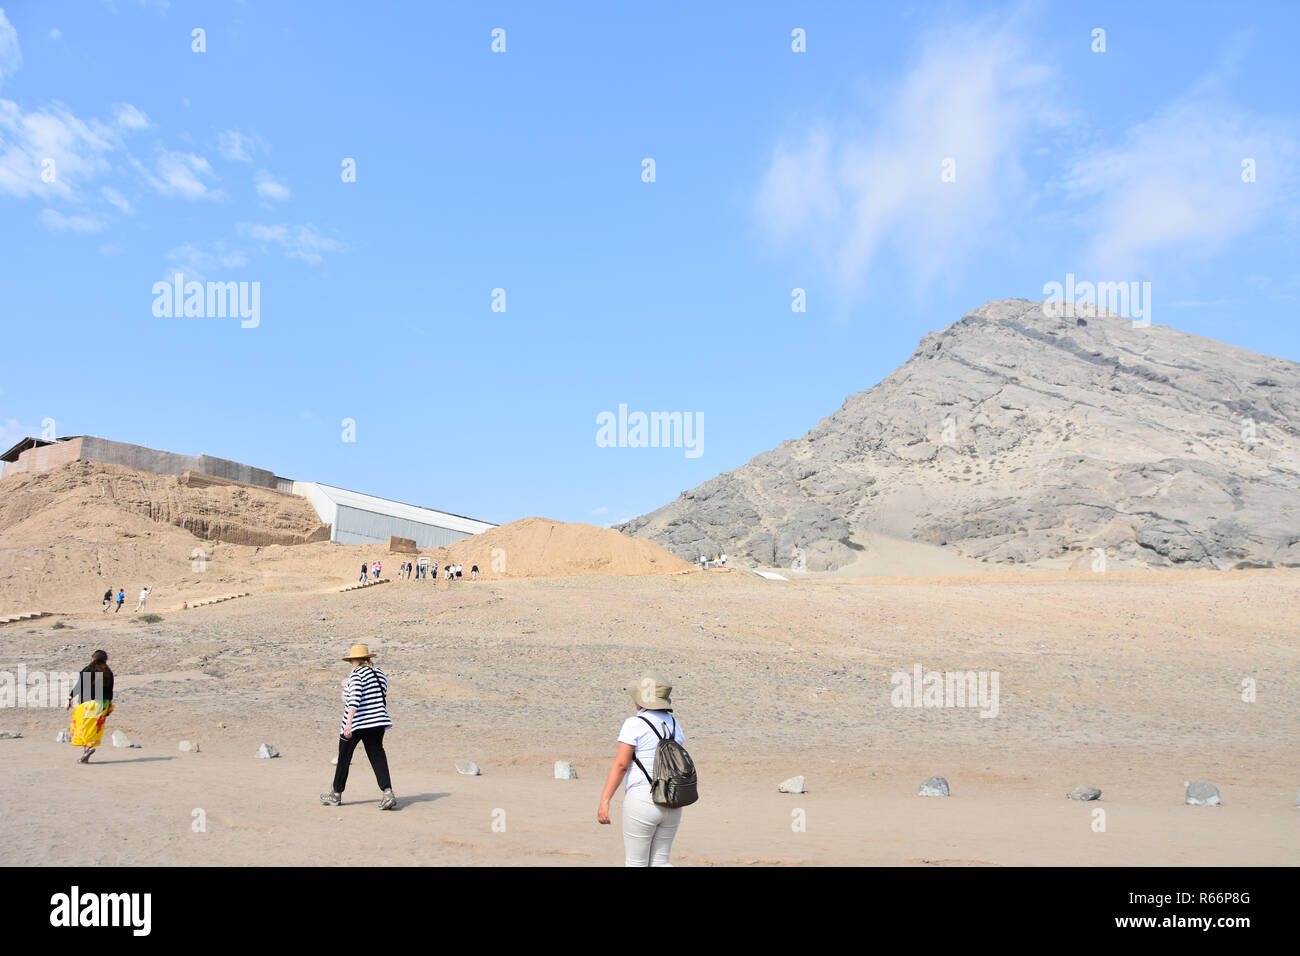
(648, 829)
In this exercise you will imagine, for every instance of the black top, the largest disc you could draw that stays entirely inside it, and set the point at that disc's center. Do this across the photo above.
(94, 685)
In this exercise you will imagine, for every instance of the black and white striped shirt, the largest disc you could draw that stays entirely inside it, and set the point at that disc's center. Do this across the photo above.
(366, 690)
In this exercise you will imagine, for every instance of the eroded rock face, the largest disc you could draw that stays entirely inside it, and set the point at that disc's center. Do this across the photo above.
(1018, 437)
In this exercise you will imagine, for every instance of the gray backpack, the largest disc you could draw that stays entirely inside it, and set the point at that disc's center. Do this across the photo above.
(674, 783)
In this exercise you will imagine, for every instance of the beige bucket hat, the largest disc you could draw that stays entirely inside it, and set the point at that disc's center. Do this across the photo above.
(359, 652)
(652, 692)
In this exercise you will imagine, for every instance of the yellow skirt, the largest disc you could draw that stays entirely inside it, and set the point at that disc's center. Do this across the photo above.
(88, 720)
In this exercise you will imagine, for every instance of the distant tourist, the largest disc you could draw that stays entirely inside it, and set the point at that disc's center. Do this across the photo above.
(95, 688)
(144, 596)
(375, 568)
(458, 571)
(473, 573)
(365, 718)
(121, 599)
(648, 827)
(365, 573)
(723, 559)
(108, 600)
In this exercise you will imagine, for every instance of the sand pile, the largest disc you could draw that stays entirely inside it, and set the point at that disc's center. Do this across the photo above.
(540, 547)
(97, 501)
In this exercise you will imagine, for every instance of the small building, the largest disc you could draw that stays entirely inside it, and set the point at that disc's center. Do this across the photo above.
(355, 518)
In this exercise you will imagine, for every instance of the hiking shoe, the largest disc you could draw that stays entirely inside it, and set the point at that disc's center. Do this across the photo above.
(331, 799)
(85, 757)
(389, 802)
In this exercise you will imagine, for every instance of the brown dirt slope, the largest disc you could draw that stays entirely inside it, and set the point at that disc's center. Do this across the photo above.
(87, 496)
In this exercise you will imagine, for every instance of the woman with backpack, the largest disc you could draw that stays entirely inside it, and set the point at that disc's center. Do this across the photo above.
(653, 796)
(365, 718)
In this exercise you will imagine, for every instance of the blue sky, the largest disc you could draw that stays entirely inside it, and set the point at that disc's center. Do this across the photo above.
(523, 170)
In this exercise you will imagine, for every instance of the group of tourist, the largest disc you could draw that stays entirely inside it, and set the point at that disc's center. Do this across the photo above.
(109, 600)
(420, 570)
(652, 802)
(653, 796)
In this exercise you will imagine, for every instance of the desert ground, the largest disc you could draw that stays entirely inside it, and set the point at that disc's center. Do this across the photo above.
(1130, 682)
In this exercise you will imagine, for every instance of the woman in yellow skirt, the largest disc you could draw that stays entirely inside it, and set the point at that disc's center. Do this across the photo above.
(95, 688)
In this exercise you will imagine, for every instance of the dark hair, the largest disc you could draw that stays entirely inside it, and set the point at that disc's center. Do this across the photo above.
(99, 661)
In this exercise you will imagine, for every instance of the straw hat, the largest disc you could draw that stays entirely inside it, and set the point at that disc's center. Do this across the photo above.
(359, 652)
(652, 692)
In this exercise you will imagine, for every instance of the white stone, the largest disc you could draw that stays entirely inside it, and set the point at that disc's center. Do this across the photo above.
(563, 771)
(189, 746)
(1202, 794)
(10, 734)
(64, 737)
(120, 739)
(933, 787)
(793, 785)
(470, 769)
(267, 751)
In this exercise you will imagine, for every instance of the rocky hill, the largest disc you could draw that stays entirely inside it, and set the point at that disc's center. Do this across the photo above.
(1014, 436)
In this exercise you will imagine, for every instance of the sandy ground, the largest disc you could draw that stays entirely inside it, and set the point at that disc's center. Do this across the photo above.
(1129, 682)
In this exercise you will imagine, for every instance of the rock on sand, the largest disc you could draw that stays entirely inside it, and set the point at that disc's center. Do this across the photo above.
(267, 751)
(1083, 793)
(1202, 794)
(933, 787)
(793, 785)
(563, 771)
(470, 769)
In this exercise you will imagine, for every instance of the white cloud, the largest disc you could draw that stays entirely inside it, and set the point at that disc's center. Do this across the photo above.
(128, 117)
(54, 33)
(179, 174)
(51, 142)
(56, 221)
(114, 197)
(29, 140)
(303, 242)
(851, 188)
(602, 510)
(199, 260)
(268, 188)
(235, 146)
(11, 56)
(1174, 182)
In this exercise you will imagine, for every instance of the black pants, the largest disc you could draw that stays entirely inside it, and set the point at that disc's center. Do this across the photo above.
(373, 738)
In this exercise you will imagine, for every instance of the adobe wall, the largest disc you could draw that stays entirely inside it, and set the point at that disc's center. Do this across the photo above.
(88, 448)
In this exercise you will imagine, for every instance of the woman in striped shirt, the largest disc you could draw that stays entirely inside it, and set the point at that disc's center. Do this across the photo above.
(365, 696)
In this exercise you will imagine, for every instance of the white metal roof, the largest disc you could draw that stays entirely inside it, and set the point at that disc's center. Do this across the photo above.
(395, 509)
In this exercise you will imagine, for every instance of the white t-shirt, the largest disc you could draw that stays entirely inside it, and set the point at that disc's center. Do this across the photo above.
(144, 594)
(644, 742)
